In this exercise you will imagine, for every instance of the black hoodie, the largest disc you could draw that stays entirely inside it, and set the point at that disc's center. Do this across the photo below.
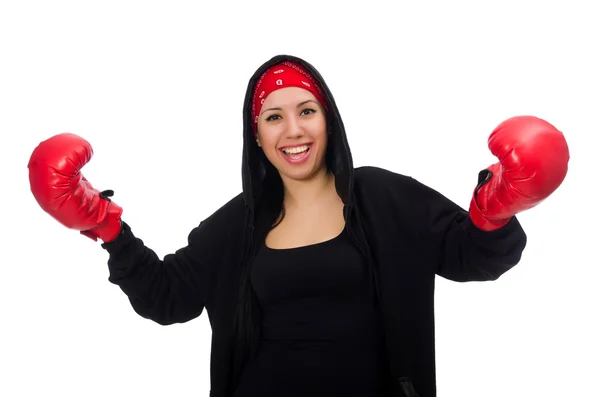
(408, 233)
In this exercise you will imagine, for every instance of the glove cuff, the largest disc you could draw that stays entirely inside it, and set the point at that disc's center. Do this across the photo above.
(110, 227)
(481, 221)
(480, 217)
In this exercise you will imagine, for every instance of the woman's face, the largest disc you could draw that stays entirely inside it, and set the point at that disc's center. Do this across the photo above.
(292, 131)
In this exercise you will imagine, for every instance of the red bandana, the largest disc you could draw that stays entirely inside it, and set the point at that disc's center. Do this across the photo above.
(286, 74)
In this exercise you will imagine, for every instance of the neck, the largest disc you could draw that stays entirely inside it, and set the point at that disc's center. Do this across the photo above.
(306, 193)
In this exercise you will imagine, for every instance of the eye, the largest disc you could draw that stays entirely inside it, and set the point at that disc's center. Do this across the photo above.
(303, 112)
(272, 117)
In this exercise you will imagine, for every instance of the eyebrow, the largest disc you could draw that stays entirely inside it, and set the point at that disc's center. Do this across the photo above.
(300, 104)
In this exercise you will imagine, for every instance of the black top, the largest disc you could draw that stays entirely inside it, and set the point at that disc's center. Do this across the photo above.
(321, 332)
(412, 233)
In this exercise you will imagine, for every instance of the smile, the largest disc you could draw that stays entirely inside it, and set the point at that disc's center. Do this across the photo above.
(295, 149)
(297, 154)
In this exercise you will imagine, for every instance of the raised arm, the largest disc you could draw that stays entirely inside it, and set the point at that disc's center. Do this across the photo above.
(487, 241)
(481, 242)
(166, 291)
(463, 251)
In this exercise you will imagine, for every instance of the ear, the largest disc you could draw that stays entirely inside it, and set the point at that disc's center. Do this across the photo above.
(258, 141)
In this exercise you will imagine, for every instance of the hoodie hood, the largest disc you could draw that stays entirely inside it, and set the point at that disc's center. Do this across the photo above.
(254, 163)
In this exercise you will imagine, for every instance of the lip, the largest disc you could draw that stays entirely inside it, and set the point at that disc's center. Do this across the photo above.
(299, 160)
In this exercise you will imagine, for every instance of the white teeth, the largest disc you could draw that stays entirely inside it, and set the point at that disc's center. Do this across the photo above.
(297, 149)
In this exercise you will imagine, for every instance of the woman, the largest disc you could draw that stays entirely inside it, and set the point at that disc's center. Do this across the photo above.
(318, 278)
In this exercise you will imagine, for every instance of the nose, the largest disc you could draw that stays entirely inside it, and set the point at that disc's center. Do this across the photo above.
(294, 128)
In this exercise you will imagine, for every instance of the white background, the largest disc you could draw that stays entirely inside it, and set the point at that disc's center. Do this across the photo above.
(157, 89)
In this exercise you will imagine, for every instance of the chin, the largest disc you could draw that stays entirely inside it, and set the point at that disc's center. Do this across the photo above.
(298, 176)
(301, 173)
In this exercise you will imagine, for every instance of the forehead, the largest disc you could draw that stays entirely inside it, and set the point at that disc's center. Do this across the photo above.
(289, 96)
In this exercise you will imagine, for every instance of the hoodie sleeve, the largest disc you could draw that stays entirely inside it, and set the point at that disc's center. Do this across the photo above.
(463, 251)
(436, 231)
(167, 291)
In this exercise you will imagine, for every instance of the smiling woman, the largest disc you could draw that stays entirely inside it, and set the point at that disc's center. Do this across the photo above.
(318, 278)
(292, 132)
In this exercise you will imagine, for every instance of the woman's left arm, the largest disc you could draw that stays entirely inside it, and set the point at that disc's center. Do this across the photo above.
(487, 241)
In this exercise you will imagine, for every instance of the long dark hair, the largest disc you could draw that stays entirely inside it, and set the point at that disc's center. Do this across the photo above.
(269, 213)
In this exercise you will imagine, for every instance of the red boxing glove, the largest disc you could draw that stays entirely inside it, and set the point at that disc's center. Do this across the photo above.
(534, 159)
(62, 191)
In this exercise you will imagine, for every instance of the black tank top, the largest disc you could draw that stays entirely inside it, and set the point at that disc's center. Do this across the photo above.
(321, 332)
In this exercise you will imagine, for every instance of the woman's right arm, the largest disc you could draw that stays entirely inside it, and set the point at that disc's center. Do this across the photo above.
(167, 291)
